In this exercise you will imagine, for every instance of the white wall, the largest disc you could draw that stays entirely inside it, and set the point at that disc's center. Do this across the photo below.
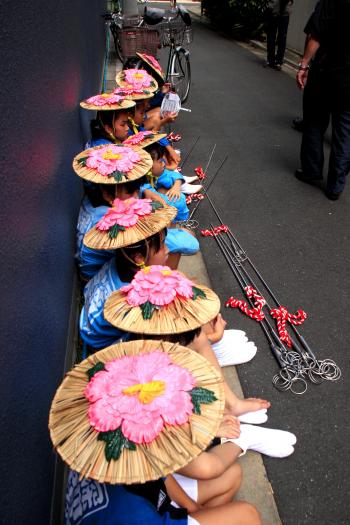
(300, 14)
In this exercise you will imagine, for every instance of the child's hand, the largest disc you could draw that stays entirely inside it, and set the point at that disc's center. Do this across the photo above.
(166, 87)
(173, 156)
(168, 117)
(229, 427)
(173, 194)
(219, 326)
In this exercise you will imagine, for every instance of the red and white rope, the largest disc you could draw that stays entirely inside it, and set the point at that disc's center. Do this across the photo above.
(199, 172)
(283, 317)
(174, 137)
(215, 231)
(256, 312)
(194, 197)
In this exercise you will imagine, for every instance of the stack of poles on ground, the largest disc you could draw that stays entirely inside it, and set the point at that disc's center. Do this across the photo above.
(297, 361)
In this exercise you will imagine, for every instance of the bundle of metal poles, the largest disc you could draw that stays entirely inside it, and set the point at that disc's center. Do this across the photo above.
(298, 362)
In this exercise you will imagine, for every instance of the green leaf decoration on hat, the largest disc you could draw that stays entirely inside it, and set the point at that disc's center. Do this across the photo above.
(147, 309)
(97, 368)
(113, 232)
(117, 175)
(115, 442)
(82, 161)
(197, 292)
(200, 396)
(156, 206)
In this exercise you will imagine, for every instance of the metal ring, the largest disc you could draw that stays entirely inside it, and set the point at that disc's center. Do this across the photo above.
(296, 392)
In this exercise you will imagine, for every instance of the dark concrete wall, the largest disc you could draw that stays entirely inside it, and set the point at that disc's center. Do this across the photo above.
(52, 53)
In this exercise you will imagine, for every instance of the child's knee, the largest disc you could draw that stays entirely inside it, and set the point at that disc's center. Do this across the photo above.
(235, 474)
(247, 513)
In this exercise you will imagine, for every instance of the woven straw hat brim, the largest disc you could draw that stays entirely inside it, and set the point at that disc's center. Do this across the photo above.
(121, 82)
(138, 96)
(147, 141)
(76, 441)
(144, 228)
(158, 73)
(124, 104)
(140, 169)
(182, 315)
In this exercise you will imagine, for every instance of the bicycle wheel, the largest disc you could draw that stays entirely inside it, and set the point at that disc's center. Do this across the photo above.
(180, 72)
(117, 44)
(119, 49)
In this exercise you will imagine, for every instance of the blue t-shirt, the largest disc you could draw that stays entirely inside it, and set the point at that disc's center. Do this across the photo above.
(90, 260)
(181, 241)
(98, 142)
(91, 503)
(180, 204)
(167, 179)
(94, 329)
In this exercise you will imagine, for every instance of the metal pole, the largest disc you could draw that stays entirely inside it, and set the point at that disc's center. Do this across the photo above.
(207, 188)
(189, 153)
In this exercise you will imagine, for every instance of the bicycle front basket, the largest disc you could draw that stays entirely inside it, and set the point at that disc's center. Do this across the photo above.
(138, 40)
(175, 31)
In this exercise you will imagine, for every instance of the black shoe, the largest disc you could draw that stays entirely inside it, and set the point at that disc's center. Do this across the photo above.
(278, 67)
(298, 123)
(332, 196)
(268, 64)
(300, 175)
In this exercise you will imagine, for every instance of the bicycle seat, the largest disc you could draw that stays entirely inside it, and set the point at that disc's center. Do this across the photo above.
(185, 15)
(153, 15)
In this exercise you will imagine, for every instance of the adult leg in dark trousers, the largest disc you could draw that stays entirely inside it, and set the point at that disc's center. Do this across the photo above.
(316, 113)
(271, 29)
(339, 161)
(283, 22)
(276, 34)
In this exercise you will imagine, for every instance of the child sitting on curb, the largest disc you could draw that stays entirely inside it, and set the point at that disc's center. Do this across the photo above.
(167, 183)
(138, 412)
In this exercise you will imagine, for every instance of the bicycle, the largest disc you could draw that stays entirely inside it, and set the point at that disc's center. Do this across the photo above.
(148, 33)
(174, 30)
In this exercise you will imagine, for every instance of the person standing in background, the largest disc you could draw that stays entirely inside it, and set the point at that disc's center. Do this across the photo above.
(277, 21)
(329, 42)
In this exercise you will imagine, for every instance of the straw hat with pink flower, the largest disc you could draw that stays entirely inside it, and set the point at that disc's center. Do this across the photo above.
(112, 164)
(136, 79)
(127, 222)
(153, 63)
(161, 301)
(107, 102)
(143, 138)
(136, 411)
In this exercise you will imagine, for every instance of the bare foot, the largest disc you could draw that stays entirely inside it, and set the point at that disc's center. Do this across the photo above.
(252, 404)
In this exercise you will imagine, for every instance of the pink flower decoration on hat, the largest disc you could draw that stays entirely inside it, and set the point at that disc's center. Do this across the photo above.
(125, 213)
(137, 78)
(153, 62)
(133, 140)
(158, 285)
(111, 158)
(105, 99)
(140, 394)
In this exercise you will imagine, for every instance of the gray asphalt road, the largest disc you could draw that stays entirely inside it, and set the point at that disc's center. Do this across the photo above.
(300, 242)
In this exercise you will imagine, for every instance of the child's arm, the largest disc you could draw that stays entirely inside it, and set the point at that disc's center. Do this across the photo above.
(177, 494)
(172, 156)
(211, 464)
(215, 330)
(175, 191)
(149, 194)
